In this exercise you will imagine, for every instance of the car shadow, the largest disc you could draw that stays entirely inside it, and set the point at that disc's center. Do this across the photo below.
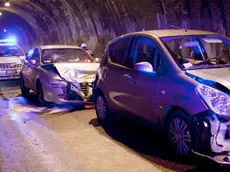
(151, 145)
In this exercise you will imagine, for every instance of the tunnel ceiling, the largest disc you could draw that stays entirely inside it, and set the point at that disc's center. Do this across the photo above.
(97, 21)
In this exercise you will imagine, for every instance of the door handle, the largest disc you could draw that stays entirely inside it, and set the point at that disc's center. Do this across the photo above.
(127, 76)
(129, 79)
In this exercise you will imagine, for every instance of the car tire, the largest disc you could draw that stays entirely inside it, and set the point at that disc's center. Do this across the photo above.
(40, 95)
(182, 135)
(104, 115)
(25, 91)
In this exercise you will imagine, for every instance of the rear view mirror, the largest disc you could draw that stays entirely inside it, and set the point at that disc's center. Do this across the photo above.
(144, 67)
(97, 60)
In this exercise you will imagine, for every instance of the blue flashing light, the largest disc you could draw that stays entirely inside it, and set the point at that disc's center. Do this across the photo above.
(9, 40)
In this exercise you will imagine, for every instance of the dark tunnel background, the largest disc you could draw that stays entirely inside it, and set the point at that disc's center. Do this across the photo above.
(95, 22)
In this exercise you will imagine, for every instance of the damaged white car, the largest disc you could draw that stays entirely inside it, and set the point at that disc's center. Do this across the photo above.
(59, 74)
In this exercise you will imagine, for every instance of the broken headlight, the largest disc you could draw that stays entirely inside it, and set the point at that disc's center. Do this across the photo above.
(217, 101)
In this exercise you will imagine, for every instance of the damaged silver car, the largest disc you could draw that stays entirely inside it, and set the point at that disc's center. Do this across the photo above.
(59, 74)
(177, 81)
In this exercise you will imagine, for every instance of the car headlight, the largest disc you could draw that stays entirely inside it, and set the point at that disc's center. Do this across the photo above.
(216, 100)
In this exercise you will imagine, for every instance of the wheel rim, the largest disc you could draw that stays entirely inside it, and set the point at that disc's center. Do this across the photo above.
(101, 108)
(180, 136)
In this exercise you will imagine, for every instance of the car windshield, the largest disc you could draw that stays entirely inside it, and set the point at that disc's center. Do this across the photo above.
(10, 50)
(65, 55)
(195, 52)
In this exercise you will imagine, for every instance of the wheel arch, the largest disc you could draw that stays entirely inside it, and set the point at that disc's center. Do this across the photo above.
(168, 112)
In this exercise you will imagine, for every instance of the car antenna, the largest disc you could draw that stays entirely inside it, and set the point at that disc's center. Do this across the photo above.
(176, 27)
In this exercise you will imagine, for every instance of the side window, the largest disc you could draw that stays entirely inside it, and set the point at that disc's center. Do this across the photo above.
(145, 50)
(119, 50)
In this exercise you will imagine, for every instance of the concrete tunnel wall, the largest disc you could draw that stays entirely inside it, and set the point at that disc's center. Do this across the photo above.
(97, 21)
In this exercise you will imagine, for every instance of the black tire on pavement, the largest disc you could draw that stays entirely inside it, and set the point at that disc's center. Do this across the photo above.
(182, 134)
(40, 95)
(24, 90)
(104, 114)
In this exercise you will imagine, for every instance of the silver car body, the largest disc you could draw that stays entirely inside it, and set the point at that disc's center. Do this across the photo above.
(126, 90)
(10, 66)
(57, 85)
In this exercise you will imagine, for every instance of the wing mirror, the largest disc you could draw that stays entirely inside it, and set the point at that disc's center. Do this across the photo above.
(144, 67)
(33, 62)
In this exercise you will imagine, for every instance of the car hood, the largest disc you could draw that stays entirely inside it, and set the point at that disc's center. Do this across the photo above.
(80, 72)
(220, 75)
(9, 59)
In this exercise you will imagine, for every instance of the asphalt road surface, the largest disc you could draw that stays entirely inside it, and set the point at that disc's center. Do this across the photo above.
(66, 138)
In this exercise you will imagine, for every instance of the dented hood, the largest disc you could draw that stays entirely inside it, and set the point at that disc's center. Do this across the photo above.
(10, 59)
(77, 72)
(220, 75)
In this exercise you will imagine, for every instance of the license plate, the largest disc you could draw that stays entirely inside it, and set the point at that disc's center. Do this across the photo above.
(11, 72)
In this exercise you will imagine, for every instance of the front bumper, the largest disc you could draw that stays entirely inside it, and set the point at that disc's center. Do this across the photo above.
(10, 74)
(214, 132)
(68, 94)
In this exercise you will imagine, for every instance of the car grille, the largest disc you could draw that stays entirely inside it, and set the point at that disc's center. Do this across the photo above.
(84, 88)
(10, 66)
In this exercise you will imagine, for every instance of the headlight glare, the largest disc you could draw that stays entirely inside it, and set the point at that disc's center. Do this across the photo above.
(216, 100)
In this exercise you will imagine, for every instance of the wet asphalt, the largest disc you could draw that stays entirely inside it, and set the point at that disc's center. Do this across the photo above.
(68, 138)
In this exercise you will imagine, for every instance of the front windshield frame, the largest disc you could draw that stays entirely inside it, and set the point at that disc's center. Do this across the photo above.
(91, 60)
(225, 42)
(7, 47)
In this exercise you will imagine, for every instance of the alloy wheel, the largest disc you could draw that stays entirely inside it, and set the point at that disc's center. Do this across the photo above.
(180, 136)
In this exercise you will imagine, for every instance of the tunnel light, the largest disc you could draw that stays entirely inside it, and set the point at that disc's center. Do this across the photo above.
(7, 4)
(5, 30)
(0, 13)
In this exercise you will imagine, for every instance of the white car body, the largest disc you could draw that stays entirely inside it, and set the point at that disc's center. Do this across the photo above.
(10, 66)
(61, 82)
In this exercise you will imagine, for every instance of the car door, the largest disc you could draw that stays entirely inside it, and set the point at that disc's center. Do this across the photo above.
(141, 89)
(32, 69)
(114, 70)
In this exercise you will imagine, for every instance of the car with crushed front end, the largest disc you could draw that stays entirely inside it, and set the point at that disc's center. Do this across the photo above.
(177, 81)
(61, 74)
(11, 56)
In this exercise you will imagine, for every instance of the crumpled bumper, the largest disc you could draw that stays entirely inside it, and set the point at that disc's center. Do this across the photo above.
(214, 132)
(68, 93)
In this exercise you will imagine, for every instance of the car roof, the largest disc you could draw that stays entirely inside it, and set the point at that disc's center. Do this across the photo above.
(170, 32)
(58, 46)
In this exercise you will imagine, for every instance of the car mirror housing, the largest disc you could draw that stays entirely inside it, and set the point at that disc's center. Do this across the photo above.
(144, 67)
(33, 62)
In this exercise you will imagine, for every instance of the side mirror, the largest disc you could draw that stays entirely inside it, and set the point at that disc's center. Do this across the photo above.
(97, 60)
(144, 67)
(33, 62)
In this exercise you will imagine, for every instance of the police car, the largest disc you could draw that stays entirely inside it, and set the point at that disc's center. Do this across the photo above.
(11, 56)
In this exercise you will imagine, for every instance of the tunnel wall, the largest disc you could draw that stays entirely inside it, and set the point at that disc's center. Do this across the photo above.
(97, 21)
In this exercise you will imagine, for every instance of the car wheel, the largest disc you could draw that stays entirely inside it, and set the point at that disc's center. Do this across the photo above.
(40, 95)
(25, 91)
(104, 115)
(182, 135)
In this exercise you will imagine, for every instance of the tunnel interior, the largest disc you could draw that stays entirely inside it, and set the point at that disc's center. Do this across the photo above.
(95, 22)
